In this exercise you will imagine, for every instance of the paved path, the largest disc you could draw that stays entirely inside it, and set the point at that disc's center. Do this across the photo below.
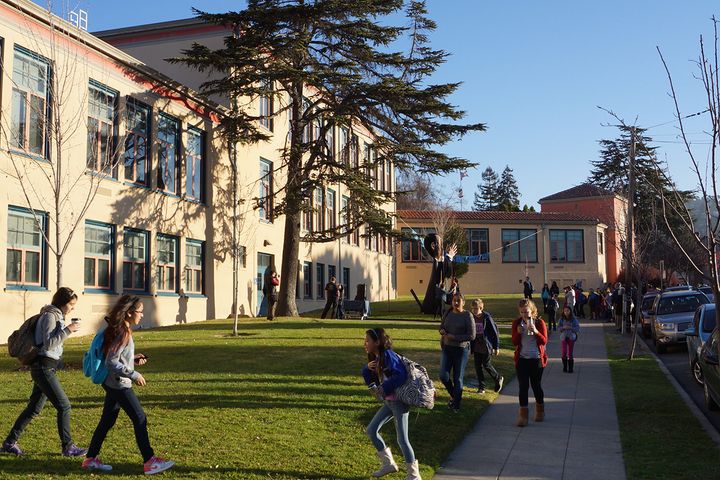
(578, 440)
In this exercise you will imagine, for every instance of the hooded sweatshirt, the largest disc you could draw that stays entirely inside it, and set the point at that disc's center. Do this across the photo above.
(51, 332)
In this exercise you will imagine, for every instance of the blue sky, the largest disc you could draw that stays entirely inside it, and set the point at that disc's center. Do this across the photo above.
(535, 72)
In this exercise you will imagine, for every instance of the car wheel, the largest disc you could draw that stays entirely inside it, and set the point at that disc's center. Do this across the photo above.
(696, 372)
(709, 402)
(660, 347)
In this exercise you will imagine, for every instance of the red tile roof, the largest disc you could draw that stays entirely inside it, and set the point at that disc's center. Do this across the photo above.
(579, 191)
(496, 217)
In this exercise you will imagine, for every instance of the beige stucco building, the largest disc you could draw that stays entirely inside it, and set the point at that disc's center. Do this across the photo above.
(505, 247)
(145, 188)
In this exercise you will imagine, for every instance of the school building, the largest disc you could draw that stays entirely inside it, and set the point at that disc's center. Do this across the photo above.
(144, 182)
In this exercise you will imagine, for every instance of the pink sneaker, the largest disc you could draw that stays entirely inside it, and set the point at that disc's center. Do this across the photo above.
(157, 465)
(94, 463)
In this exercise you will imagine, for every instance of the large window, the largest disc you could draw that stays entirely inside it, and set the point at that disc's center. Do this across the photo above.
(168, 139)
(30, 97)
(266, 105)
(413, 249)
(99, 255)
(25, 247)
(519, 245)
(194, 164)
(478, 245)
(167, 271)
(344, 145)
(319, 210)
(194, 250)
(330, 213)
(566, 246)
(136, 260)
(136, 141)
(307, 280)
(320, 280)
(102, 121)
(265, 200)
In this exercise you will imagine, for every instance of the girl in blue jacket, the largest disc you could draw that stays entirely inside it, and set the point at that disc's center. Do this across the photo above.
(384, 373)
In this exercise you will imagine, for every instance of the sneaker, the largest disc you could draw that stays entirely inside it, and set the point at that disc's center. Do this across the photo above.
(157, 465)
(73, 450)
(499, 384)
(13, 448)
(94, 463)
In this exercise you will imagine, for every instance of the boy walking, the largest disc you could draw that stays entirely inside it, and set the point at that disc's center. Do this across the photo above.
(486, 344)
(552, 307)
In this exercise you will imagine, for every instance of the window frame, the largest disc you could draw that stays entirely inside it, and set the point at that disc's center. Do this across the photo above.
(320, 281)
(195, 166)
(133, 105)
(97, 258)
(167, 270)
(565, 243)
(266, 105)
(168, 174)
(265, 194)
(191, 269)
(307, 280)
(134, 264)
(22, 140)
(484, 256)
(517, 243)
(318, 219)
(330, 220)
(408, 246)
(40, 221)
(346, 282)
(106, 163)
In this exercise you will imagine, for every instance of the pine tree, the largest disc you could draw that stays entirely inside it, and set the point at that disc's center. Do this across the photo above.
(508, 193)
(332, 62)
(486, 198)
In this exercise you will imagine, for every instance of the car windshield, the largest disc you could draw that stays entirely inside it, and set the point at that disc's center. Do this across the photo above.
(680, 304)
(647, 303)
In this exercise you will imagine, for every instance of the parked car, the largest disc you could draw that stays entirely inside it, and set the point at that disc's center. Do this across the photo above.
(647, 303)
(677, 288)
(671, 314)
(710, 367)
(708, 293)
(697, 334)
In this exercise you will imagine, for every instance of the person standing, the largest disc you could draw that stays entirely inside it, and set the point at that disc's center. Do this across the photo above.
(50, 334)
(457, 330)
(340, 300)
(552, 308)
(529, 335)
(120, 360)
(545, 296)
(554, 289)
(270, 290)
(331, 293)
(569, 297)
(485, 345)
(528, 288)
(383, 373)
(569, 328)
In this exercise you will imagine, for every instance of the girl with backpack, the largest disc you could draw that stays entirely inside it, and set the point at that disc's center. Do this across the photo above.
(50, 334)
(120, 358)
(569, 328)
(384, 373)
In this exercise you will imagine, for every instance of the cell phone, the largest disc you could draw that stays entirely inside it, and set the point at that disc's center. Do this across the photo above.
(74, 320)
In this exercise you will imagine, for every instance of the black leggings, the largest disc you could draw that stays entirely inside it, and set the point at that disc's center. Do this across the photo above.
(529, 372)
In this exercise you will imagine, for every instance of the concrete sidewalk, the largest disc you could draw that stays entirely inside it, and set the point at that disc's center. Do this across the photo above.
(578, 439)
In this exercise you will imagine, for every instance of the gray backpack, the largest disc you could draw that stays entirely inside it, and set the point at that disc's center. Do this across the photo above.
(21, 343)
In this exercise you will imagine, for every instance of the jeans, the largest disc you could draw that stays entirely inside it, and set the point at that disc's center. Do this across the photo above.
(482, 361)
(46, 386)
(115, 399)
(454, 358)
(330, 305)
(552, 324)
(399, 412)
(529, 372)
(567, 347)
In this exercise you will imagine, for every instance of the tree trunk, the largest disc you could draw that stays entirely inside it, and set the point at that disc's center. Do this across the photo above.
(286, 306)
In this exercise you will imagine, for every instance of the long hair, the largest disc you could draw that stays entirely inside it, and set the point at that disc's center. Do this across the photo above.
(118, 332)
(568, 317)
(63, 296)
(384, 343)
(528, 303)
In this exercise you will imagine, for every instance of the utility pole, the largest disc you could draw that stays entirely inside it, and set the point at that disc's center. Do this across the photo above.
(630, 232)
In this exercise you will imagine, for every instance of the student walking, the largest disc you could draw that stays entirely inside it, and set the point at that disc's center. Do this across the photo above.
(485, 345)
(50, 334)
(120, 360)
(331, 293)
(383, 373)
(457, 330)
(529, 335)
(569, 328)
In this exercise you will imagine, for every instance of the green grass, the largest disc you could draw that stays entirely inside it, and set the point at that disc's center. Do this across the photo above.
(661, 439)
(284, 400)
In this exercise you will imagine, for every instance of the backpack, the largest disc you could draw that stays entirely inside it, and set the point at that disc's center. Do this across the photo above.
(21, 343)
(418, 390)
(94, 360)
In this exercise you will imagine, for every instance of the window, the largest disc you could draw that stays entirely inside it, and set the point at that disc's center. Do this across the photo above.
(344, 146)
(99, 255)
(381, 174)
(319, 213)
(25, 247)
(368, 240)
(168, 139)
(194, 164)
(320, 280)
(307, 130)
(307, 280)
(265, 201)
(167, 271)
(136, 142)
(307, 216)
(102, 122)
(194, 251)
(354, 151)
(345, 216)
(330, 212)
(389, 176)
(601, 243)
(478, 245)
(30, 98)
(266, 105)
(330, 141)
(242, 256)
(519, 245)
(566, 246)
(136, 260)
(413, 249)
(346, 282)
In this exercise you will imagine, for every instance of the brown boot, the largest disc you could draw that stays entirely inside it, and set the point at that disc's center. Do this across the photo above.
(522, 417)
(539, 412)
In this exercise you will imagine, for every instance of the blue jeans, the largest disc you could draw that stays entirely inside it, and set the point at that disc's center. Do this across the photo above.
(125, 398)
(46, 386)
(399, 412)
(454, 359)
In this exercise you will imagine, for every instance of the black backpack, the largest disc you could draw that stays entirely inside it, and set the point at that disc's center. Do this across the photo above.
(21, 343)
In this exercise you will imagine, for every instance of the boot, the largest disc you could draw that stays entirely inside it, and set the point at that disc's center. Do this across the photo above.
(571, 363)
(387, 464)
(539, 412)
(413, 471)
(565, 364)
(522, 417)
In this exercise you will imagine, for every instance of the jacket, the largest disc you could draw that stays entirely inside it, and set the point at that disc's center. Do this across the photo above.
(394, 372)
(461, 325)
(121, 366)
(574, 328)
(490, 333)
(540, 338)
(51, 332)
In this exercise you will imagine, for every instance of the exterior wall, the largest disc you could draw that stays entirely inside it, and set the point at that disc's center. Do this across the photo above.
(497, 276)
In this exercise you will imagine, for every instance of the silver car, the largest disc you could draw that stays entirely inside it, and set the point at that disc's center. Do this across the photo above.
(671, 314)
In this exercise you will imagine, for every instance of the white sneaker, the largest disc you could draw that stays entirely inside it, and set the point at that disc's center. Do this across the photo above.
(94, 463)
(157, 465)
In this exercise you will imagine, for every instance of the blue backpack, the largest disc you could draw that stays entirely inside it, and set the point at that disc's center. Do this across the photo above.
(94, 360)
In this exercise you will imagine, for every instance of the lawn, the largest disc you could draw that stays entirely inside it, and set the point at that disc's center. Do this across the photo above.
(284, 400)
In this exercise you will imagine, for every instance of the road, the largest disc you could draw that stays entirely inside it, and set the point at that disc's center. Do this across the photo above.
(676, 361)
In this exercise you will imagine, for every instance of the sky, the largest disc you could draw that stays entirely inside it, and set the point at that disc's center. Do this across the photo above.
(535, 72)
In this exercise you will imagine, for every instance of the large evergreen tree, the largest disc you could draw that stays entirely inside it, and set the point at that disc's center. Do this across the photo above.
(328, 63)
(508, 193)
(486, 197)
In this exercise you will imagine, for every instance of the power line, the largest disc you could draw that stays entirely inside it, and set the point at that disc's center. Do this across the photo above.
(678, 119)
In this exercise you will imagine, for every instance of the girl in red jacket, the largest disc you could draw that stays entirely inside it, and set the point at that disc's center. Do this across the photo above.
(529, 335)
